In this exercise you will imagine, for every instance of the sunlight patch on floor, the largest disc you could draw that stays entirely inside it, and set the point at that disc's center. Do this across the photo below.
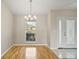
(31, 53)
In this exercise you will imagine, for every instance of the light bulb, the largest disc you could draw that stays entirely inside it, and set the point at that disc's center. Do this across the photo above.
(26, 17)
(35, 17)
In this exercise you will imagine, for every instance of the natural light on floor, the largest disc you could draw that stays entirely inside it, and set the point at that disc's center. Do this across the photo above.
(31, 53)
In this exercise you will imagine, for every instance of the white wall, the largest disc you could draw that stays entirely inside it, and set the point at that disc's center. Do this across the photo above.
(41, 34)
(53, 25)
(6, 28)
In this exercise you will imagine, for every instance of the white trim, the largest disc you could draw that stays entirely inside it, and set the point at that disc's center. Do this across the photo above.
(30, 44)
(7, 50)
(53, 48)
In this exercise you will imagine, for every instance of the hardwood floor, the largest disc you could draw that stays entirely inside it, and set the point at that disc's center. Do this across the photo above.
(29, 52)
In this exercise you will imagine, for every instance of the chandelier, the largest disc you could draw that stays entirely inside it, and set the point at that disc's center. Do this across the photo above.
(30, 16)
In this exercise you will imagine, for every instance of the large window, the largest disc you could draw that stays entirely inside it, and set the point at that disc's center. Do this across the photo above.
(30, 30)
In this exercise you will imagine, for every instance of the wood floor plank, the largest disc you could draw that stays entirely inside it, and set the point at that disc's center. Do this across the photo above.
(22, 52)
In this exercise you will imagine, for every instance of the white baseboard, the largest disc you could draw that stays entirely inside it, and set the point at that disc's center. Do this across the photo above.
(30, 44)
(7, 50)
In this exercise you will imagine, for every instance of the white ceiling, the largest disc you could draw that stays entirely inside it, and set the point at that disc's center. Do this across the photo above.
(21, 7)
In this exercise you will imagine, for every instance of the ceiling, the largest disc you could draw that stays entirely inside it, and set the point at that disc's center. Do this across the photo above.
(21, 7)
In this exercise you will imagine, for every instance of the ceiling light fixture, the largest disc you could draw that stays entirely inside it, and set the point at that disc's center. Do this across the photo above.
(30, 16)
